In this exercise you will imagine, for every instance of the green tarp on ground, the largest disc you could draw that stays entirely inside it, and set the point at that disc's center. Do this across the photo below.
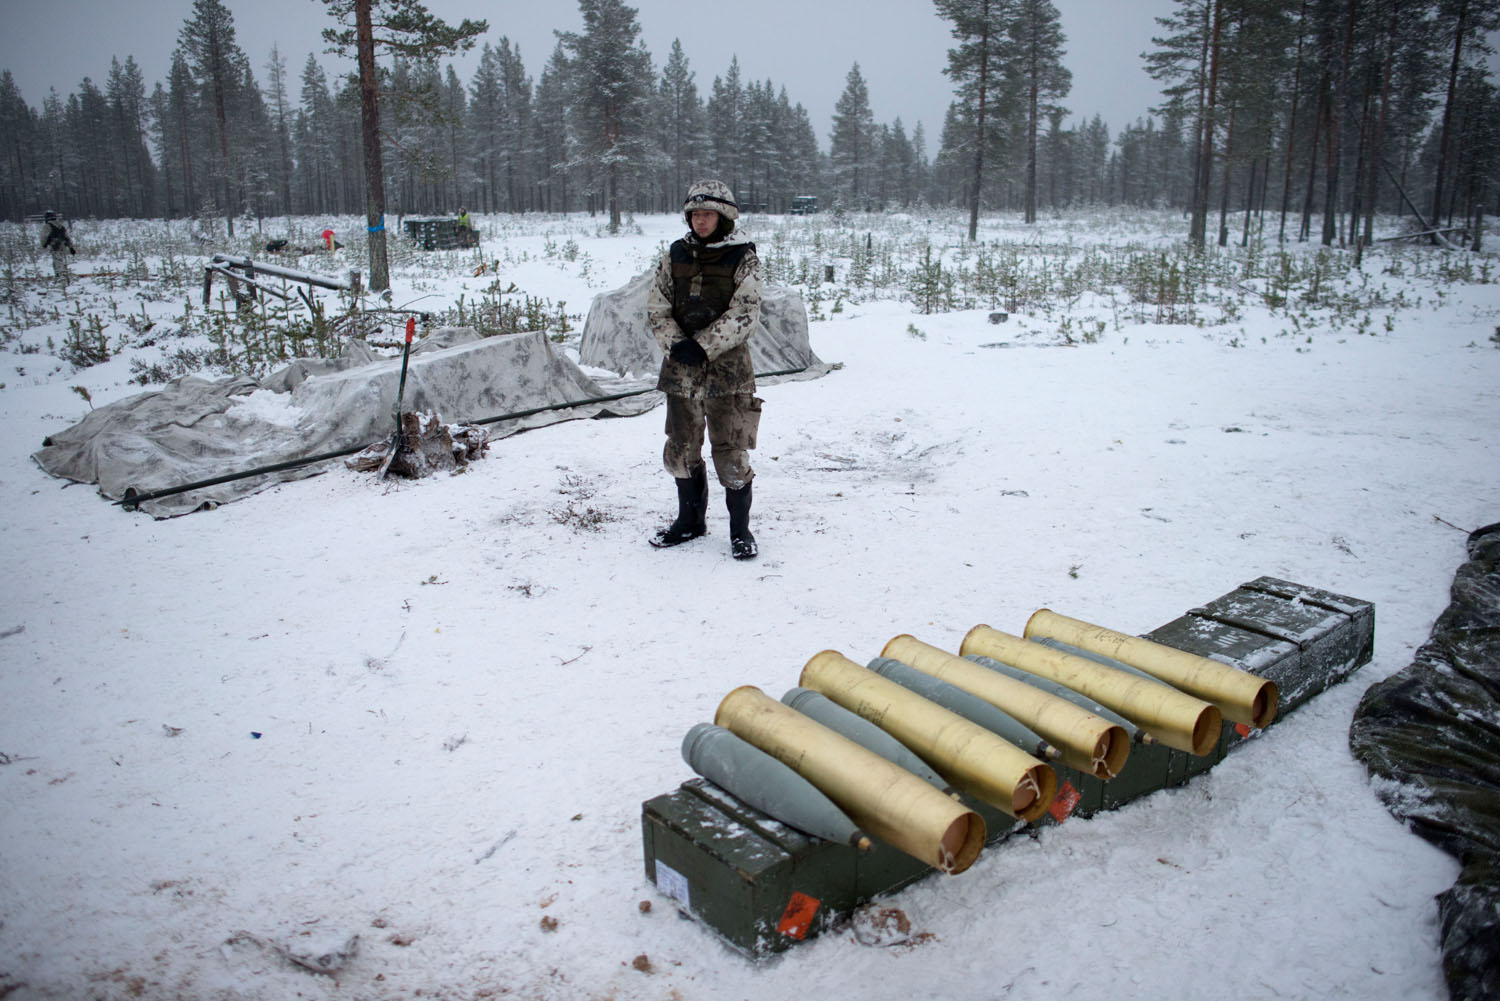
(1432, 733)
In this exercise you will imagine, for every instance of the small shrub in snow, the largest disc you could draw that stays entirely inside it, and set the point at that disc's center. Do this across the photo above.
(85, 344)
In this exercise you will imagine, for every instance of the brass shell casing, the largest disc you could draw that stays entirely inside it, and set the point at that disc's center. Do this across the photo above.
(971, 757)
(1175, 718)
(1088, 742)
(1240, 695)
(881, 797)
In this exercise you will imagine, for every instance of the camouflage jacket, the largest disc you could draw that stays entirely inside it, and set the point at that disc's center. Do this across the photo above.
(56, 238)
(726, 340)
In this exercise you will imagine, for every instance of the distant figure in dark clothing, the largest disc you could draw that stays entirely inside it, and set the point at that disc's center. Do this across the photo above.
(56, 239)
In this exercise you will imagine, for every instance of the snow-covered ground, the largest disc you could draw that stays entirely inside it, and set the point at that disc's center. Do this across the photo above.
(427, 713)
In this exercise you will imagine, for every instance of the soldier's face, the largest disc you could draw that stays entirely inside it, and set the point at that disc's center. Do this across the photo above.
(704, 222)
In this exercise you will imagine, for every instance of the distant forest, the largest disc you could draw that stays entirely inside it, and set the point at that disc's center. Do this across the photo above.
(1298, 119)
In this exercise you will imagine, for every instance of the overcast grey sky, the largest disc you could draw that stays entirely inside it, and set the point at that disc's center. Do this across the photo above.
(808, 47)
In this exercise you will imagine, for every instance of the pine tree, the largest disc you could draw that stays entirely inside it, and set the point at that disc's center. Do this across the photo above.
(921, 168)
(254, 156)
(486, 114)
(126, 90)
(759, 136)
(1056, 157)
(87, 135)
(405, 28)
(454, 119)
(1181, 60)
(317, 133)
(851, 143)
(803, 158)
(611, 87)
(281, 112)
(725, 112)
(516, 139)
(681, 124)
(899, 161)
(17, 159)
(1464, 21)
(553, 138)
(179, 130)
(214, 57)
(977, 68)
(1036, 34)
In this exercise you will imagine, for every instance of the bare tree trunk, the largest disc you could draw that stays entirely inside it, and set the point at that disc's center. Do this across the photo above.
(977, 176)
(1357, 189)
(614, 198)
(1336, 134)
(1442, 164)
(1459, 156)
(1228, 175)
(223, 120)
(369, 103)
(1478, 243)
(1197, 228)
(1320, 119)
(1265, 190)
(1031, 100)
(614, 181)
(1291, 129)
(1376, 146)
(1249, 204)
(187, 161)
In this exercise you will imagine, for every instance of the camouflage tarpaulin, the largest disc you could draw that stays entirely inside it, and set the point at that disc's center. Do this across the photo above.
(1432, 732)
(616, 336)
(195, 429)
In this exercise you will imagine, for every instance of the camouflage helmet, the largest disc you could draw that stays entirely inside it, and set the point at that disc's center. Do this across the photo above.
(713, 195)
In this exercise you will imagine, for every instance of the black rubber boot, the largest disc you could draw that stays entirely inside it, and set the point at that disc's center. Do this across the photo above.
(692, 511)
(741, 542)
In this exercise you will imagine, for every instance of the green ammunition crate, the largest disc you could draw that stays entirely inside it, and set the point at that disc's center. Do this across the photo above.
(760, 884)
(764, 886)
(440, 233)
(1300, 637)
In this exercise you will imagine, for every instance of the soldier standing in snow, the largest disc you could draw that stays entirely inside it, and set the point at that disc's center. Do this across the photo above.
(56, 239)
(703, 303)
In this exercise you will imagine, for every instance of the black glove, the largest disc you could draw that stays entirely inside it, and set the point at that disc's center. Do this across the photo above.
(689, 352)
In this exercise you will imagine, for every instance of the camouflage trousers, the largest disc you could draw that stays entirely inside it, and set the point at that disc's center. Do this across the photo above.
(732, 423)
(60, 265)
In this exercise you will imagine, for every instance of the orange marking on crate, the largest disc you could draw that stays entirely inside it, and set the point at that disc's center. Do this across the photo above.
(1063, 803)
(798, 916)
